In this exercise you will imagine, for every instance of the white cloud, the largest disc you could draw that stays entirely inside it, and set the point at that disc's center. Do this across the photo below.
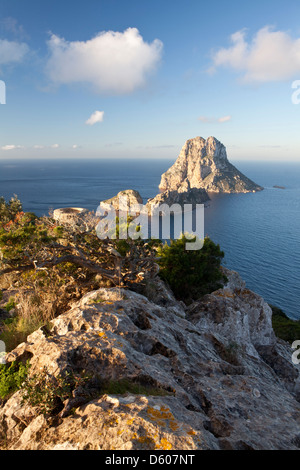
(224, 119)
(112, 62)
(269, 56)
(55, 146)
(211, 120)
(97, 116)
(12, 147)
(11, 51)
(38, 146)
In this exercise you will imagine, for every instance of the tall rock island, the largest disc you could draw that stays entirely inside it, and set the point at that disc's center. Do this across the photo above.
(203, 164)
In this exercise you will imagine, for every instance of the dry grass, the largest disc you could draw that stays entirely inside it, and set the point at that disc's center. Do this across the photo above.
(33, 311)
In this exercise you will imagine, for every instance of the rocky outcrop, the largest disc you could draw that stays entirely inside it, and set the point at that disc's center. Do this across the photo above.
(123, 200)
(204, 164)
(192, 196)
(217, 378)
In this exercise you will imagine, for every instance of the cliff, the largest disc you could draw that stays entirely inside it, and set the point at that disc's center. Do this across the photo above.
(208, 376)
(203, 164)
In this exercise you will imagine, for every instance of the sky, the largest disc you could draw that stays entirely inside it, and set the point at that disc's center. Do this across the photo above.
(136, 79)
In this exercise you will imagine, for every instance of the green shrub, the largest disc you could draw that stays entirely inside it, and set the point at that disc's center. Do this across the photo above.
(47, 392)
(12, 376)
(283, 326)
(21, 235)
(122, 247)
(191, 273)
(10, 304)
(123, 386)
(9, 210)
(58, 231)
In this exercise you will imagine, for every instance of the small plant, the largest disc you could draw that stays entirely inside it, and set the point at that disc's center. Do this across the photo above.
(58, 231)
(47, 392)
(10, 304)
(283, 326)
(98, 300)
(12, 376)
(122, 247)
(123, 386)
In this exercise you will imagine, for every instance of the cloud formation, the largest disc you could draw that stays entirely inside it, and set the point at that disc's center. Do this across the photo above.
(11, 147)
(269, 56)
(224, 119)
(12, 51)
(12, 26)
(97, 116)
(112, 62)
(211, 120)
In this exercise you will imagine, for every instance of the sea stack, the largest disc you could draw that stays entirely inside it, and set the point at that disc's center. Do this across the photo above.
(203, 164)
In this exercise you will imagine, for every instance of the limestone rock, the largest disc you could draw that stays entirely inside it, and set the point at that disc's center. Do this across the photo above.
(204, 164)
(236, 313)
(219, 378)
(123, 200)
(192, 196)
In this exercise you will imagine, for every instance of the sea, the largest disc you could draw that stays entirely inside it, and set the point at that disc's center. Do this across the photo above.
(258, 232)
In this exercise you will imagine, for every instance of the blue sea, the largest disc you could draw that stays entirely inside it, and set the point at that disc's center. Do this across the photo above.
(259, 232)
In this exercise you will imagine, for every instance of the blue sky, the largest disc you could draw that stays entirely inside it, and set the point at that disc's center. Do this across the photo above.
(136, 79)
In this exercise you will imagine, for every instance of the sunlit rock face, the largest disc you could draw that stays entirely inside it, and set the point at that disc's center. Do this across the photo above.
(204, 164)
(211, 375)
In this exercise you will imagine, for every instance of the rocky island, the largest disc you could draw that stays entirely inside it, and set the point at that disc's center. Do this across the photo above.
(202, 167)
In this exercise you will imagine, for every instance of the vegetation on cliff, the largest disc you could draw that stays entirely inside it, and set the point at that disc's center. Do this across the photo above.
(46, 266)
(49, 266)
(12, 377)
(191, 274)
(284, 327)
(9, 210)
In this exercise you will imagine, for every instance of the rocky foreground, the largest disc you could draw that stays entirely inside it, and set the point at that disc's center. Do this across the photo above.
(216, 375)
